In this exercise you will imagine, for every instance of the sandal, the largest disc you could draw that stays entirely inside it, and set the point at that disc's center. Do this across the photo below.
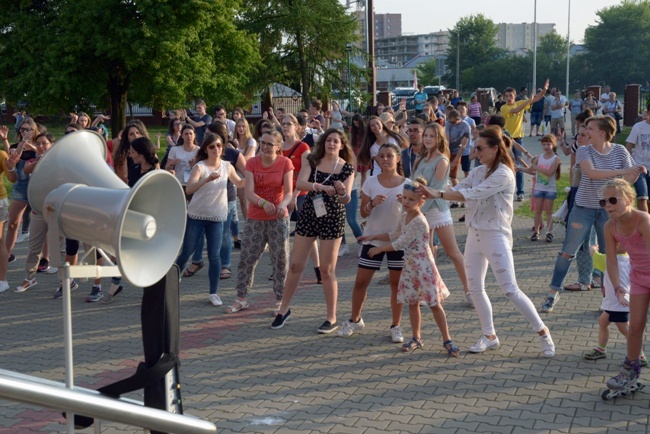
(412, 345)
(577, 287)
(452, 350)
(237, 306)
(190, 273)
(535, 237)
(549, 237)
(225, 273)
(27, 283)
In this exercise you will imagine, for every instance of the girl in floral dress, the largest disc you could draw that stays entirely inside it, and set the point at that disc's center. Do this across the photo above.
(420, 277)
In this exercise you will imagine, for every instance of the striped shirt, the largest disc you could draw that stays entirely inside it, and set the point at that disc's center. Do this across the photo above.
(588, 194)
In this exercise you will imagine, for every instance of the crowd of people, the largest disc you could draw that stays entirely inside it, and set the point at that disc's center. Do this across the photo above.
(401, 174)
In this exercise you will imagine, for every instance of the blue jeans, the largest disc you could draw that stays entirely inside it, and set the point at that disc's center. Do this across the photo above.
(226, 241)
(193, 236)
(351, 209)
(519, 176)
(234, 221)
(581, 220)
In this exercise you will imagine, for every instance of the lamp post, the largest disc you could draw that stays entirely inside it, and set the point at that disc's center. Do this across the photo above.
(568, 48)
(458, 60)
(348, 50)
(534, 88)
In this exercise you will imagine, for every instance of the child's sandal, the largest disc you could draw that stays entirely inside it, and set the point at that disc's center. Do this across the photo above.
(535, 237)
(412, 345)
(452, 350)
(549, 237)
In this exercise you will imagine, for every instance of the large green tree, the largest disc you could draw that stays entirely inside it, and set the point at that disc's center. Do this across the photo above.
(57, 53)
(302, 43)
(426, 72)
(476, 35)
(619, 44)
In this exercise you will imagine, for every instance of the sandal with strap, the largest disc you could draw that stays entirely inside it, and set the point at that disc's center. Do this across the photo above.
(452, 350)
(190, 273)
(549, 237)
(225, 273)
(412, 345)
(535, 237)
(237, 306)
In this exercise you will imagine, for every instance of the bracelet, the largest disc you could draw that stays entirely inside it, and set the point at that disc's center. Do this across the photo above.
(12, 170)
(263, 203)
(368, 210)
(371, 204)
(343, 197)
(313, 186)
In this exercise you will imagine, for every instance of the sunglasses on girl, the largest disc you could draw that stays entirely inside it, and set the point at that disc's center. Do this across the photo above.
(612, 200)
(410, 187)
(214, 146)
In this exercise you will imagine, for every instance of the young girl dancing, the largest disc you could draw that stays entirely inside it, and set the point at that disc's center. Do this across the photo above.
(420, 276)
(546, 169)
(630, 228)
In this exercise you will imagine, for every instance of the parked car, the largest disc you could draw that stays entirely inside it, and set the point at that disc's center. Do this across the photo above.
(433, 90)
(406, 93)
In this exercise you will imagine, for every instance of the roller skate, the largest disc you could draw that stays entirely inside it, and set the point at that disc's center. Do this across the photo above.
(625, 382)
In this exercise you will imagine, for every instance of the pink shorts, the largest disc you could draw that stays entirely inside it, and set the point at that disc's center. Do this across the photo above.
(638, 289)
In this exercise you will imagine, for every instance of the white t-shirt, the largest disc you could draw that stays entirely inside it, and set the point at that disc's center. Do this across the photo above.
(640, 137)
(543, 182)
(610, 301)
(384, 217)
(558, 112)
(230, 126)
(488, 202)
(374, 151)
(183, 168)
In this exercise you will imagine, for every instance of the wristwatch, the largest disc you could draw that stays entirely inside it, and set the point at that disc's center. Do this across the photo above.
(442, 194)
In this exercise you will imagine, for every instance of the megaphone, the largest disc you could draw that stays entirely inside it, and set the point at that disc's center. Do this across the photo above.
(143, 226)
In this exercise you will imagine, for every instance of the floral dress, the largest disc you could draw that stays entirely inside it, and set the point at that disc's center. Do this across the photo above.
(420, 276)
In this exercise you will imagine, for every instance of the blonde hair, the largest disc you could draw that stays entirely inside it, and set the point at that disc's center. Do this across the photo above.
(621, 186)
(441, 142)
(605, 123)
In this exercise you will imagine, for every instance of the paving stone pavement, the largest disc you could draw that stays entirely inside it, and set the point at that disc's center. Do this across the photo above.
(245, 377)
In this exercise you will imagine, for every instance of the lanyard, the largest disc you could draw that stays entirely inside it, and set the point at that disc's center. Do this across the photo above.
(330, 175)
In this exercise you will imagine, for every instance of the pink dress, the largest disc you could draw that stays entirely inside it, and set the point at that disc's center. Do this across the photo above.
(420, 276)
(639, 259)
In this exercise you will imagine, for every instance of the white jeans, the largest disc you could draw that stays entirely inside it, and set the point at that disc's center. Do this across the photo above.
(495, 248)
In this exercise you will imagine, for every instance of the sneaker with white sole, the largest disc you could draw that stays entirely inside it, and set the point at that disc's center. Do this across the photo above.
(24, 236)
(549, 303)
(484, 344)
(4, 285)
(280, 320)
(396, 334)
(548, 347)
(344, 250)
(215, 300)
(59, 292)
(349, 328)
(95, 295)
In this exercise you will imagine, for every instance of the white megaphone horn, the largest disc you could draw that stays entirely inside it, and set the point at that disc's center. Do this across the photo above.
(142, 227)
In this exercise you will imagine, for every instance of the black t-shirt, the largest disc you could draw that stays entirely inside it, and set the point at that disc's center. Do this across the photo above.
(231, 155)
(135, 173)
(26, 155)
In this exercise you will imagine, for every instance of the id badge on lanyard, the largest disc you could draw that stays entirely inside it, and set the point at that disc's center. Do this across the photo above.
(319, 205)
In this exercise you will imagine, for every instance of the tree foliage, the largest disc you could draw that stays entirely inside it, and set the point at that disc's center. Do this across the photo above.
(619, 44)
(477, 45)
(426, 72)
(302, 43)
(159, 53)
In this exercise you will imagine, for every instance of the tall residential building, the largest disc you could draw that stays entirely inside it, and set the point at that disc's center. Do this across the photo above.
(388, 25)
(399, 50)
(518, 38)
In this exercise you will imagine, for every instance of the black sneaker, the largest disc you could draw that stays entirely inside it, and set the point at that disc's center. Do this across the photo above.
(327, 327)
(96, 294)
(237, 244)
(59, 292)
(280, 319)
(11, 258)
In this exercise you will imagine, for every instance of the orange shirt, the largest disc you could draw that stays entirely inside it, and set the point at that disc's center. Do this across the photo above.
(269, 184)
(296, 160)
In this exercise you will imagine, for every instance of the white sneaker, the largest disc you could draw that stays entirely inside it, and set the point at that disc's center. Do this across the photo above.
(548, 347)
(4, 285)
(344, 250)
(215, 300)
(397, 335)
(350, 327)
(484, 344)
(22, 237)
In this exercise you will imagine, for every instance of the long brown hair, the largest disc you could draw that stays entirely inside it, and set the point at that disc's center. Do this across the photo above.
(398, 152)
(319, 150)
(369, 139)
(441, 141)
(493, 135)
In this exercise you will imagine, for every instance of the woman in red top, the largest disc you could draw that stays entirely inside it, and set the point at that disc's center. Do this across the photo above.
(269, 184)
(293, 148)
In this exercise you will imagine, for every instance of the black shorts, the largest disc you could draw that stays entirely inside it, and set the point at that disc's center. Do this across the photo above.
(395, 259)
(615, 316)
(465, 163)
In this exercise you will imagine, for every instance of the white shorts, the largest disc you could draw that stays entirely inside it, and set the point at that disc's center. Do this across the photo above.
(437, 218)
(4, 210)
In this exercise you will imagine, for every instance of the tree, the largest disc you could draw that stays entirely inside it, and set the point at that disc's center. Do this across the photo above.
(619, 45)
(477, 45)
(302, 43)
(426, 72)
(152, 52)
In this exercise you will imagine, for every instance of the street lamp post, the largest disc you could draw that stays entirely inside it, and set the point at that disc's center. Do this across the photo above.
(458, 60)
(568, 49)
(348, 49)
(534, 88)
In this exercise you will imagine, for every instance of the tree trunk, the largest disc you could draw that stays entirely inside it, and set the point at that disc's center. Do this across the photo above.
(118, 89)
(304, 71)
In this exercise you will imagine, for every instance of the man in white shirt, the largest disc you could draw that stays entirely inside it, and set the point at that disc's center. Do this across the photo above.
(220, 115)
(604, 97)
(557, 111)
(638, 144)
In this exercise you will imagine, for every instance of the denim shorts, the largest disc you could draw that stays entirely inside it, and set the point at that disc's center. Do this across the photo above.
(641, 186)
(536, 118)
(19, 192)
(465, 163)
(550, 195)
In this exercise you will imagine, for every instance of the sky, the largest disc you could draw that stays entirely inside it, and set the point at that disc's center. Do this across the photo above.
(425, 16)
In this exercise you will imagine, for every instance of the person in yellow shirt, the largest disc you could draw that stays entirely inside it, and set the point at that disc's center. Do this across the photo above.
(4, 216)
(513, 112)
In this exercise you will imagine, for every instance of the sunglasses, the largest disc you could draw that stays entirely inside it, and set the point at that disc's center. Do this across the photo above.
(612, 200)
(478, 148)
(214, 146)
(25, 130)
(410, 187)
(263, 143)
(287, 124)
